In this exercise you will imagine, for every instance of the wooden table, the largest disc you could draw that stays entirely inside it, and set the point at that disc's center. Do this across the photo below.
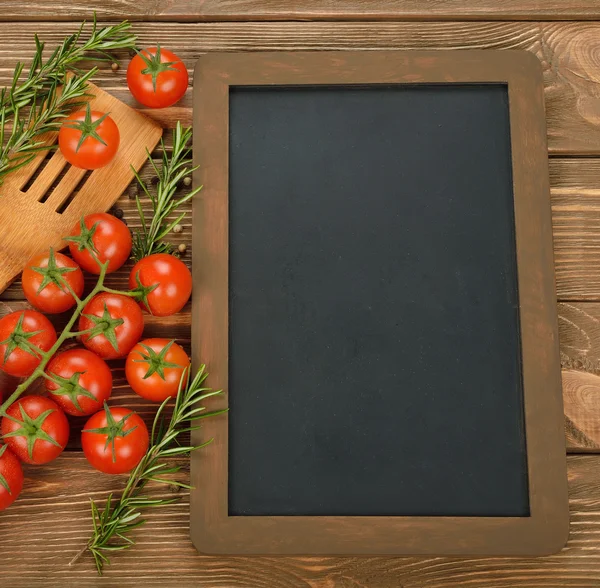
(50, 522)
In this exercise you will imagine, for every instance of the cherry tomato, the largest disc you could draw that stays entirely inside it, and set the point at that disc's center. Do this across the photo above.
(11, 477)
(117, 324)
(21, 334)
(35, 429)
(88, 139)
(114, 440)
(157, 78)
(44, 279)
(84, 381)
(167, 280)
(109, 238)
(154, 368)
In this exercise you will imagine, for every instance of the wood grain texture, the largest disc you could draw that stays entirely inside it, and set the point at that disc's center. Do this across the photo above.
(579, 327)
(248, 10)
(575, 197)
(569, 53)
(50, 522)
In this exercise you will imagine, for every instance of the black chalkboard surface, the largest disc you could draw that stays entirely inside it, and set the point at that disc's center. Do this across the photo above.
(374, 336)
(374, 295)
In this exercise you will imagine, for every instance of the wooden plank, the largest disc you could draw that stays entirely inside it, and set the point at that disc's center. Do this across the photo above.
(568, 52)
(579, 332)
(575, 204)
(50, 523)
(229, 10)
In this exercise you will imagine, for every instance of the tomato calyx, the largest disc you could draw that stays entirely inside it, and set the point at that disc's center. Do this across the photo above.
(52, 274)
(31, 429)
(141, 292)
(70, 387)
(3, 481)
(104, 325)
(85, 238)
(19, 338)
(154, 67)
(112, 430)
(156, 361)
(87, 127)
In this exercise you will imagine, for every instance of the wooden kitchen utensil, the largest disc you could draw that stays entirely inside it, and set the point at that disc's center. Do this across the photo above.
(36, 212)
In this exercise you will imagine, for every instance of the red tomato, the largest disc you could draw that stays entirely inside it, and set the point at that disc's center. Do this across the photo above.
(167, 281)
(44, 279)
(154, 368)
(35, 429)
(117, 324)
(157, 78)
(11, 477)
(84, 381)
(21, 333)
(114, 440)
(106, 235)
(88, 139)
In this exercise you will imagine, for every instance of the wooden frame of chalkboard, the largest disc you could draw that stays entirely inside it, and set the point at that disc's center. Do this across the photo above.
(545, 530)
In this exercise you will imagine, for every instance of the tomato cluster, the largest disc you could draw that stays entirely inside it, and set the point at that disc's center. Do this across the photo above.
(78, 381)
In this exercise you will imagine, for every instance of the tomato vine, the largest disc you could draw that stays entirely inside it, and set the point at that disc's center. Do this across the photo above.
(66, 334)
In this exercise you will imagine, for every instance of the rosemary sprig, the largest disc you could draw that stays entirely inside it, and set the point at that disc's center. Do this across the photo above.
(175, 166)
(44, 75)
(47, 93)
(114, 523)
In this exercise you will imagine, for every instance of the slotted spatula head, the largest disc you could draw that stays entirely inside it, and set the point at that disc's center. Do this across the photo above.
(36, 211)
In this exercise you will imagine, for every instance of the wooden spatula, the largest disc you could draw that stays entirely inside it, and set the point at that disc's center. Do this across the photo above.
(35, 215)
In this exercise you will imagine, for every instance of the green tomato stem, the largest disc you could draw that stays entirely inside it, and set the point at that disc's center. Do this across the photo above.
(131, 293)
(71, 291)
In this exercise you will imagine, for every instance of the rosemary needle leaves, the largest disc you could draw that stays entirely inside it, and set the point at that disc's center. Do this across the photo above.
(37, 102)
(113, 524)
(173, 169)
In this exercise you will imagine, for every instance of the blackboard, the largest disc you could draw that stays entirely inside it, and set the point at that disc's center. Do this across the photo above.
(376, 283)
(374, 339)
